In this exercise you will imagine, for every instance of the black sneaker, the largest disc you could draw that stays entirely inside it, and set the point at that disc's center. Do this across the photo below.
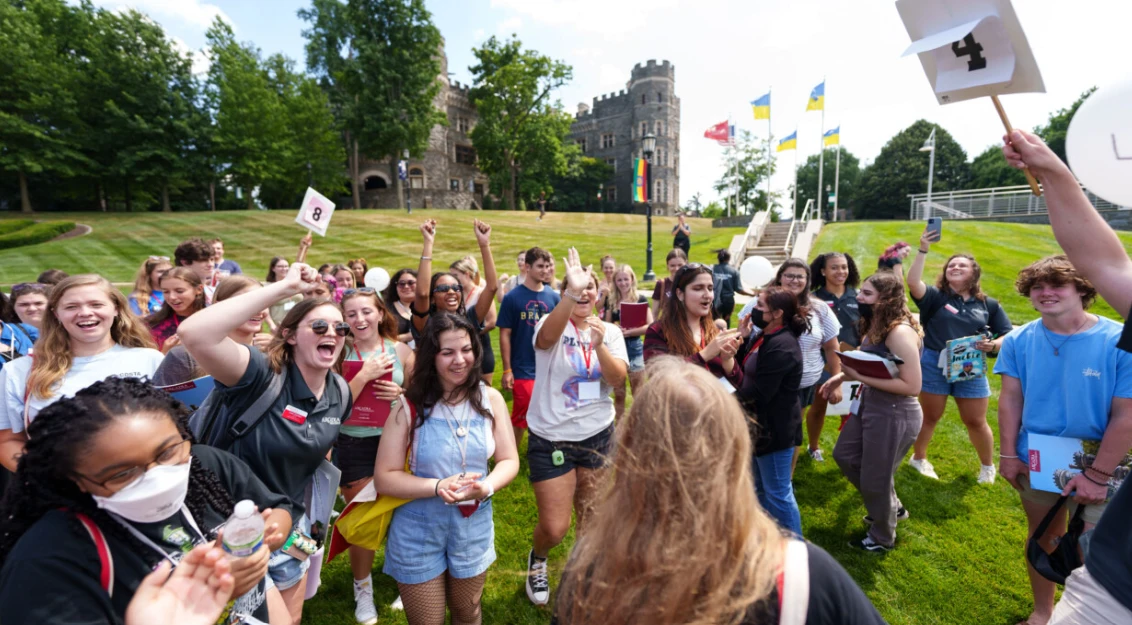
(870, 545)
(538, 586)
(901, 515)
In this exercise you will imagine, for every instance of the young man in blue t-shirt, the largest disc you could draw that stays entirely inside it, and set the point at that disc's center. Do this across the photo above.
(1062, 375)
(518, 314)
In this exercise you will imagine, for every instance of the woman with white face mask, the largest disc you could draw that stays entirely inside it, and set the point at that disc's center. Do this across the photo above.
(110, 487)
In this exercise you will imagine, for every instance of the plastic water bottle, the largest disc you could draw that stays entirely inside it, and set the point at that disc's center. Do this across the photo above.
(243, 533)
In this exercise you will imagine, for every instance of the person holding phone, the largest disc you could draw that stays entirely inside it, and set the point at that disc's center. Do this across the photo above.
(955, 307)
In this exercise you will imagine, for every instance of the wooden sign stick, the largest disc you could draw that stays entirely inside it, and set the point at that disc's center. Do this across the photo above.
(1009, 129)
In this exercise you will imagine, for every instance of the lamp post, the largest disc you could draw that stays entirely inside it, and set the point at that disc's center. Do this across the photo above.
(929, 146)
(408, 183)
(648, 146)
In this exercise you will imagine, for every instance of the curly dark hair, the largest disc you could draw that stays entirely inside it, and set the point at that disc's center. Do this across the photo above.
(889, 311)
(44, 478)
(426, 390)
(817, 280)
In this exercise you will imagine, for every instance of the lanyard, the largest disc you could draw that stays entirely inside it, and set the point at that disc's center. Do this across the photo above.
(146, 541)
(587, 348)
(460, 431)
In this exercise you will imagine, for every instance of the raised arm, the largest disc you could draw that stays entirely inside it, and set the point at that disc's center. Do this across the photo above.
(915, 277)
(205, 334)
(487, 298)
(1089, 242)
(424, 274)
(555, 324)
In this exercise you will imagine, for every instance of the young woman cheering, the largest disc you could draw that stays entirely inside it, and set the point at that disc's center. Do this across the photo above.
(184, 295)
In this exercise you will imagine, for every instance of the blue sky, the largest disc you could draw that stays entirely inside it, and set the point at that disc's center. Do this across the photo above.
(728, 52)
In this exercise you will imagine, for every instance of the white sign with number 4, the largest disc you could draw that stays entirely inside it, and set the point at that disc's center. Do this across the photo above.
(970, 48)
(315, 212)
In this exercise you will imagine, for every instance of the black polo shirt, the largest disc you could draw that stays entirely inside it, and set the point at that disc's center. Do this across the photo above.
(845, 307)
(952, 317)
(52, 574)
(284, 451)
(1110, 553)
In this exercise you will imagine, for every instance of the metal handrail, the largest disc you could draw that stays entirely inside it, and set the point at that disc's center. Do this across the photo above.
(995, 202)
(792, 232)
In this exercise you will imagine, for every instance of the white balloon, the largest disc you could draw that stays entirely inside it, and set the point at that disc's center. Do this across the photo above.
(1099, 143)
(377, 278)
(756, 272)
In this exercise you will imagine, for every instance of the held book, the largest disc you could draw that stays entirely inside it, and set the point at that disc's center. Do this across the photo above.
(871, 365)
(961, 360)
(369, 411)
(1054, 460)
(634, 315)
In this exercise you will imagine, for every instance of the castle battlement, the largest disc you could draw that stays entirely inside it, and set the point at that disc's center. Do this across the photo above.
(652, 69)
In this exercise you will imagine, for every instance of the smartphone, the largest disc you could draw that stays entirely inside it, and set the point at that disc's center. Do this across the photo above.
(935, 224)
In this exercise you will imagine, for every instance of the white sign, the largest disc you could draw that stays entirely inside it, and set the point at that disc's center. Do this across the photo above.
(1099, 143)
(970, 48)
(315, 212)
(850, 392)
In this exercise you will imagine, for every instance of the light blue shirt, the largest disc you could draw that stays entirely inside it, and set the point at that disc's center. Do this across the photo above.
(1070, 394)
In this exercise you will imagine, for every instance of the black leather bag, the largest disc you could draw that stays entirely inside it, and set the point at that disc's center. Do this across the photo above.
(1066, 557)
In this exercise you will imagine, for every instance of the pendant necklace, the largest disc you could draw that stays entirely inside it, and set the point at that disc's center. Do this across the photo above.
(1057, 348)
(460, 431)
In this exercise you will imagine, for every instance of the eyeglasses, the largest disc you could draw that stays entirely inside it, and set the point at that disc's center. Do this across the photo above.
(444, 288)
(175, 454)
(322, 326)
(404, 284)
(794, 277)
(368, 290)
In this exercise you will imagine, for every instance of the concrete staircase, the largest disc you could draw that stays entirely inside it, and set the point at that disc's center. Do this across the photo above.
(773, 243)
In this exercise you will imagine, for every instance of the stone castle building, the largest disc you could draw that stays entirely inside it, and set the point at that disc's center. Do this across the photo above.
(611, 130)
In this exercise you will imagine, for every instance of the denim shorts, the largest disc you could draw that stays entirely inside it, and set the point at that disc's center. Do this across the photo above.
(285, 570)
(936, 384)
(590, 453)
(635, 348)
(428, 537)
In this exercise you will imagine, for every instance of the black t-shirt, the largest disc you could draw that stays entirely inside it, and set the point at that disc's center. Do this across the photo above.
(52, 574)
(284, 451)
(1110, 552)
(952, 317)
(835, 599)
(845, 307)
(680, 238)
(728, 280)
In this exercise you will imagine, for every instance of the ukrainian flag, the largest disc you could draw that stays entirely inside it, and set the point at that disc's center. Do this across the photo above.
(817, 98)
(762, 107)
(832, 137)
(789, 143)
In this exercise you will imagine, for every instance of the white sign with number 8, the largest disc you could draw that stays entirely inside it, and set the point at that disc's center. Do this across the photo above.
(315, 212)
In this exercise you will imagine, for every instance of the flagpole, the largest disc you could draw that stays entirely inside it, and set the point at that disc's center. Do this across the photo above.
(794, 210)
(821, 149)
(837, 176)
(769, 156)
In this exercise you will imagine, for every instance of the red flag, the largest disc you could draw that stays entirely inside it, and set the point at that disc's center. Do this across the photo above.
(719, 133)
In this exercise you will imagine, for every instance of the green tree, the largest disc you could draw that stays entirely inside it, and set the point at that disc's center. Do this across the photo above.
(847, 185)
(511, 95)
(901, 169)
(713, 210)
(989, 169)
(746, 169)
(576, 188)
(1056, 128)
(695, 204)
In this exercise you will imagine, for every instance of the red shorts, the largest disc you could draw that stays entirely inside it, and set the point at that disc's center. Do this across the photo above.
(521, 400)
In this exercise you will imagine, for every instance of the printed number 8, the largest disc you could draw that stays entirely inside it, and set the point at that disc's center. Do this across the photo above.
(972, 49)
(317, 213)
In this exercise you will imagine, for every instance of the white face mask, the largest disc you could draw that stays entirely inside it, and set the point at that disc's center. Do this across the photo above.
(155, 497)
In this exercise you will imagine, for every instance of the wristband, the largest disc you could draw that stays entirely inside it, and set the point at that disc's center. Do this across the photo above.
(506, 371)
(1010, 457)
(436, 489)
(923, 251)
(1094, 481)
(426, 257)
(1104, 473)
(567, 293)
(490, 491)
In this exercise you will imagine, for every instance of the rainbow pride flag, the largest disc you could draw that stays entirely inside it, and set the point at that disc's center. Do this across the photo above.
(640, 180)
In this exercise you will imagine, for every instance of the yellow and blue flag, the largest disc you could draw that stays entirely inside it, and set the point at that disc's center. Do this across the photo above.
(817, 98)
(832, 137)
(762, 107)
(788, 143)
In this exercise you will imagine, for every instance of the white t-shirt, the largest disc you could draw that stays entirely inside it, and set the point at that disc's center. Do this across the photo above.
(823, 326)
(558, 411)
(117, 361)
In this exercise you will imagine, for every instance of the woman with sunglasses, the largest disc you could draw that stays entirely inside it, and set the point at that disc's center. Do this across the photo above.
(115, 463)
(444, 292)
(286, 446)
(374, 331)
(686, 329)
(184, 296)
(451, 425)
(399, 296)
(89, 335)
(147, 296)
(468, 272)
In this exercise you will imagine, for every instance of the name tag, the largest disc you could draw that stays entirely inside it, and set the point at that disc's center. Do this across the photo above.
(855, 407)
(589, 391)
(294, 415)
(951, 309)
(726, 384)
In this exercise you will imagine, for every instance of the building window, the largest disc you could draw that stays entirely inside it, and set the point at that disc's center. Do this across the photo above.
(611, 194)
(582, 145)
(661, 192)
(462, 125)
(644, 128)
(612, 162)
(465, 154)
(453, 184)
(660, 158)
(644, 98)
(659, 128)
(659, 97)
(416, 178)
(607, 141)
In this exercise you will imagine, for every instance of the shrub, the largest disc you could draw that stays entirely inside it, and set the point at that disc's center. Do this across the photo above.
(12, 225)
(35, 233)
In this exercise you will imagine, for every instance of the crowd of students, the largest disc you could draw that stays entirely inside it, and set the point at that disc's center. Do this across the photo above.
(116, 483)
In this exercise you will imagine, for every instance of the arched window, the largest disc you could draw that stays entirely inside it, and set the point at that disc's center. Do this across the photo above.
(416, 178)
(374, 183)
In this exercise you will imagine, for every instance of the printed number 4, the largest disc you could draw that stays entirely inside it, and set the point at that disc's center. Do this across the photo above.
(972, 49)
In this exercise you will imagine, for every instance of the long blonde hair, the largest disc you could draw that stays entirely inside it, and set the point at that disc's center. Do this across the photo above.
(143, 288)
(53, 349)
(677, 535)
(616, 296)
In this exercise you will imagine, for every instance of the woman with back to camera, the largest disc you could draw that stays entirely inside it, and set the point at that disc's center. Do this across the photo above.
(286, 446)
(89, 334)
(468, 272)
(625, 292)
(955, 307)
(729, 282)
(117, 462)
(451, 424)
(147, 296)
(835, 281)
(873, 441)
(681, 475)
(184, 296)
(399, 296)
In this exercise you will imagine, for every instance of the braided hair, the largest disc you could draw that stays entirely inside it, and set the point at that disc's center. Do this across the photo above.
(44, 478)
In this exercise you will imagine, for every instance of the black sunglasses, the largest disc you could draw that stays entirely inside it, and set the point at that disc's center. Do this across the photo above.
(321, 326)
(444, 288)
(369, 290)
(406, 283)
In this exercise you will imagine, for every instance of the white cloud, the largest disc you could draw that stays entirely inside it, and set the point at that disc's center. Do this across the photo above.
(612, 77)
(200, 58)
(478, 35)
(602, 17)
(509, 26)
(191, 12)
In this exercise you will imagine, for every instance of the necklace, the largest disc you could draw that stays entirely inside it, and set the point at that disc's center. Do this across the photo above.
(460, 431)
(1057, 348)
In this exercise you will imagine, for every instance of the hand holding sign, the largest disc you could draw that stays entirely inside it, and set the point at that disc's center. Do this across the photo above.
(315, 212)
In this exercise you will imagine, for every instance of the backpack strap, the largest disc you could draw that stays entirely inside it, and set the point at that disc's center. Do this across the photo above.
(254, 413)
(105, 559)
(27, 395)
(794, 584)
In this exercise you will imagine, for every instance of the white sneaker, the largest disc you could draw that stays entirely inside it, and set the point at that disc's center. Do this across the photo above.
(815, 455)
(987, 474)
(538, 585)
(924, 467)
(397, 605)
(365, 612)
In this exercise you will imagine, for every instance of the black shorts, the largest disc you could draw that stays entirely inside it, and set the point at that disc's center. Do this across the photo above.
(356, 457)
(807, 394)
(591, 453)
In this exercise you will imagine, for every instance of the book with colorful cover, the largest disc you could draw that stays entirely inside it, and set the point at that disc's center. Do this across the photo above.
(963, 361)
(191, 393)
(368, 411)
(1054, 460)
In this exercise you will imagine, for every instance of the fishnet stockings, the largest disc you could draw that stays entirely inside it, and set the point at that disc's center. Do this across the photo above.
(425, 602)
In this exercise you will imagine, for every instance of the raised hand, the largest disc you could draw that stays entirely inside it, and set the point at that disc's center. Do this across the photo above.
(577, 278)
(927, 238)
(483, 233)
(428, 230)
(1024, 150)
(301, 278)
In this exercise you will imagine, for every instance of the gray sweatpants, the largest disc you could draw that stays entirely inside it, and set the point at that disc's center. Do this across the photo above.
(870, 449)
